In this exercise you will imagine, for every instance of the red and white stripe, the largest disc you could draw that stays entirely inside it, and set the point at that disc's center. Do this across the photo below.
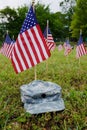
(30, 49)
(50, 42)
(80, 50)
(7, 49)
(60, 47)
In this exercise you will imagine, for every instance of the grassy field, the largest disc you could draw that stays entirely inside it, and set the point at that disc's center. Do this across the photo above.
(69, 72)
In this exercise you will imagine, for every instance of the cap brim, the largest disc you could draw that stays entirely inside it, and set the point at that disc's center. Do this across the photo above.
(45, 107)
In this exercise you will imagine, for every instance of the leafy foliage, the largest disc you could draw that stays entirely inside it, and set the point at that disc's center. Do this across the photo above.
(68, 72)
(68, 5)
(13, 20)
(79, 19)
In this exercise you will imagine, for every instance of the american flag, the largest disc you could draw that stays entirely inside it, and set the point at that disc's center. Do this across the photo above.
(60, 47)
(49, 39)
(67, 47)
(80, 49)
(7, 47)
(30, 47)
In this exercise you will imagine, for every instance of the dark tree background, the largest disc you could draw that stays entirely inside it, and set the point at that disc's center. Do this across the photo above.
(66, 23)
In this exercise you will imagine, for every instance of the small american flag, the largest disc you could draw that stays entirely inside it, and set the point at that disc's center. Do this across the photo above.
(67, 47)
(60, 47)
(80, 49)
(7, 47)
(30, 47)
(49, 39)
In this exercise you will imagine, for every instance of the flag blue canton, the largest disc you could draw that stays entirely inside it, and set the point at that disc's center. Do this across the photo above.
(80, 40)
(45, 32)
(8, 39)
(49, 32)
(13, 41)
(29, 21)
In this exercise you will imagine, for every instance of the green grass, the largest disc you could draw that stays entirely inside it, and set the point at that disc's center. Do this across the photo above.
(68, 72)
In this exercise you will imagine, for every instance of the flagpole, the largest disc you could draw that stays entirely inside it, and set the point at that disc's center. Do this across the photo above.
(33, 2)
(79, 57)
(35, 73)
(47, 43)
(47, 27)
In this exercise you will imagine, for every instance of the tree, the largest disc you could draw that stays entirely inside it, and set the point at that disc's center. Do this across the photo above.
(42, 14)
(68, 8)
(57, 21)
(79, 20)
(68, 5)
(13, 20)
(58, 25)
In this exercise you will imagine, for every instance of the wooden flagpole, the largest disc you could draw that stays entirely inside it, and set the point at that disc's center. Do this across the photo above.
(67, 55)
(33, 2)
(47, 27)
(35, 72)
(79, 57)
(47, 43)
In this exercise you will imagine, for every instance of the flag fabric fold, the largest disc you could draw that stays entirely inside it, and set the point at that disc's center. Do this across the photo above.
(49, 39)
(7, 47)
(80, 49)
(30, 47)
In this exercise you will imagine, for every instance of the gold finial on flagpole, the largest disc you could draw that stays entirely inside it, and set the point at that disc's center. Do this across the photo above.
(6, 31)
(47, 21)
(33, 2)
(80, 31)
(13, 37)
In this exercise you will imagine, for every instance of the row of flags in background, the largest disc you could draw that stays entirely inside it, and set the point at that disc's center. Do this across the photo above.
(7, 46)
(80, 48)
(31, 46)
(49, 39)
(67, 47)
